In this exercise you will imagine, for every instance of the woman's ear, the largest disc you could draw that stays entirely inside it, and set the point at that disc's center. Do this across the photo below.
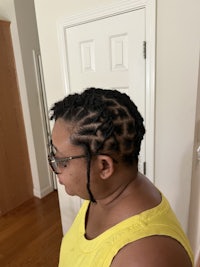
(106, 166)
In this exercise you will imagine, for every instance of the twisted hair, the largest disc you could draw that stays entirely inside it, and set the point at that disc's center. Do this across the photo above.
(104, 122)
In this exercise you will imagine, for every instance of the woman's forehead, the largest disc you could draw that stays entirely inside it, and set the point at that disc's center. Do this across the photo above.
(60, 131)
(61, 136)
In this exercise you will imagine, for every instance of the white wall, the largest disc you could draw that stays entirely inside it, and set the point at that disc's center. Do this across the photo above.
(176, 86)
(176, 91)
(194, 218)
(28, 35)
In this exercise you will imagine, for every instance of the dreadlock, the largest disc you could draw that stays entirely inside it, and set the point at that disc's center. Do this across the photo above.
(105, 122)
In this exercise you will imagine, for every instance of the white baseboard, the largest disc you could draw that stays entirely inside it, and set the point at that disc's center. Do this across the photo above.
(42, 192)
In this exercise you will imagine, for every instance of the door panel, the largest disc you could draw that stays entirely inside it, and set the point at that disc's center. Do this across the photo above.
(108, 53)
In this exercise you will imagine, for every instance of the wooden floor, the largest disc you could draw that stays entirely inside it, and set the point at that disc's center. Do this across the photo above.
(31, 234)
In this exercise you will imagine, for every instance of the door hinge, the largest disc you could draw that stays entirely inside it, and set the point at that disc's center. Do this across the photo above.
(144, 49)
(144, 167)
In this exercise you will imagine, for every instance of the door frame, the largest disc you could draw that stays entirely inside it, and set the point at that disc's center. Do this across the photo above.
(113, 9)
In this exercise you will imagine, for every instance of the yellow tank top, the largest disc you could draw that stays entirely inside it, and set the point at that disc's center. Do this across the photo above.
(77, 251)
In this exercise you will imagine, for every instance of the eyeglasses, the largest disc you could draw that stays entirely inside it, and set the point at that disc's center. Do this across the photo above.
(57, 164)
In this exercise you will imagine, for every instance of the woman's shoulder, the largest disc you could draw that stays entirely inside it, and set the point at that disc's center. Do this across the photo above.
(154, 251)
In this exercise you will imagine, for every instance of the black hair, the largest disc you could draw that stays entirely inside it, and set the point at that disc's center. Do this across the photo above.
(104, 121)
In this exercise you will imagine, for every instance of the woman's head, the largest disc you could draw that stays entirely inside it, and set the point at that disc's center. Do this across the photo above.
(104, 122)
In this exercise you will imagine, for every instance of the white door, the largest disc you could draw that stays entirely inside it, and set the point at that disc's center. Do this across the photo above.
(105, 48)
(108, 53)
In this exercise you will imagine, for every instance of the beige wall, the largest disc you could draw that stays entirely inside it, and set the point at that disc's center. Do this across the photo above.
(176, 91)
(194, 218)
(177, 51)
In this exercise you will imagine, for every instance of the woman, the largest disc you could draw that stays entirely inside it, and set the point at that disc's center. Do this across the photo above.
(125, 220)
